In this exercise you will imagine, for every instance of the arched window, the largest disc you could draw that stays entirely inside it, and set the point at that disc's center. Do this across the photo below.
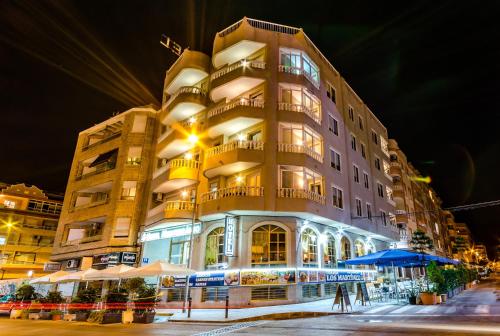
(345, 248)
(329, 252)
(370, 248)
(269, 246)
(214, 253)
(359, 248)
(309, 240)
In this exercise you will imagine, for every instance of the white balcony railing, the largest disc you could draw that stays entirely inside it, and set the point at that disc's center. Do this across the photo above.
(185, 89)
(299, 71)
(242, 63)
(179, 206)
(259, 103)
(292, 148)
(314, 114)
(177, 163)
(238, 191)
(301, 193)
(238, 144)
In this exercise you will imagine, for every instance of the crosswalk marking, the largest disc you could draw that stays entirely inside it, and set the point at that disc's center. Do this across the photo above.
(427, 310)
(482, 309)
(450, 310)
(375, 310)
(401, 310)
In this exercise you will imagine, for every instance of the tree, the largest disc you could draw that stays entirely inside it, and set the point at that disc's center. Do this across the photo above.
(420, 241)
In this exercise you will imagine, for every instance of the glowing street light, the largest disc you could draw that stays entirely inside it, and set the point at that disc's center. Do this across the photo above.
(193, 139)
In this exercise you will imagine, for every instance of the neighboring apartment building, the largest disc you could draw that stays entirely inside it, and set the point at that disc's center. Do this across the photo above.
(481, 253)
(104, 204)
(28, 223)
(265, 138)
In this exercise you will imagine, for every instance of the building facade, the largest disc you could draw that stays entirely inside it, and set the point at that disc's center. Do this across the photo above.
(28, 223)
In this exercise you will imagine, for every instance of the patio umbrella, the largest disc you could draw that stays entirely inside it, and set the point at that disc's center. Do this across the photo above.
(112, 273)
(76, 276)
(159, 268)
(49, 278)
(393, 257)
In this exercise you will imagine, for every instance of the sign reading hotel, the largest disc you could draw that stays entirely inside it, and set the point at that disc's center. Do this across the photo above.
(229, 236)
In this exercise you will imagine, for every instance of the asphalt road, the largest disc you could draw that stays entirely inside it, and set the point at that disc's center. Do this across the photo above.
(475, 311)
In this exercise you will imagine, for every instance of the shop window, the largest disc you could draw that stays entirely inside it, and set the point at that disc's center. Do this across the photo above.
(267, 293)
(214, 294)
(359, 248)
(345, 248)
(214, 254)
(329, 254)
(311, 291)
(330, 289)
(176, 294)
(309, 240)
(179, 250)
(269, 246)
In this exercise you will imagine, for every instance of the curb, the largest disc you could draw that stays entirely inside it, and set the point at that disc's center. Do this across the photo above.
(276, 316)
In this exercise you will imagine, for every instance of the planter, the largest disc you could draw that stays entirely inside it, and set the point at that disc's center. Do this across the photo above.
(428, 298)
(57, 317)
(16, 313)
(108, 318)
(148, 317)
(81, 317)
(412, 300)
(69, 317)
(128, 316)
(34, 316)
(438, 299)
(444, 297)
(44, 315)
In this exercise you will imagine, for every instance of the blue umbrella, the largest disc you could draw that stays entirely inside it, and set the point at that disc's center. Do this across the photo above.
(393, 257)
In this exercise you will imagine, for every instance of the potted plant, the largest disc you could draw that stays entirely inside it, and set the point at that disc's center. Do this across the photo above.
(144, 298)
(412, 296)
(24, 293)
(82, 303)
(53, 300)
(56, 315)
(428, 297)
(116, 300)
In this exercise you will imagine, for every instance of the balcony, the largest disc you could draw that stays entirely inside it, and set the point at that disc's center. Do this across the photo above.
(90, 205)
(300, 149)
(299, 72)
(176, 174)
(231, 199)
(301, 194)
(106, 139)
(179, 209)
(314, 114)
(235, 79)
(85, 240)
(172, 144)
(184, 103)
(239, 50)
(233, 157)
(101, 168)
(190, 68)
(234, 116)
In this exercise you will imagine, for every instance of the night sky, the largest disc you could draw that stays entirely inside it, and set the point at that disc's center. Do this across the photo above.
(430, 70)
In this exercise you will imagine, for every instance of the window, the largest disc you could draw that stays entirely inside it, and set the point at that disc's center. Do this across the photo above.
(176, 294)
(377, 163)
(353, 142)
(179, 250)
(369, 211)
(359, 248)
(387, 168)
(366, 181)
(134, 156)
(383, 216)
(296, 62)
(355, 173)
(122, 227)
(359, 210)
(335, 159)
(24, 258)
(330, 92)
(389, 193)
(374, 137)
(214, 294)
(214, 253)
(267, 293)
(337, 198)
(300, 136)
(9, 204)
(269, 246)
(329, 252)
(360, 122)
(345, 248)
(139, 125)
(300, 178)
(330, 289)
(363, 150)
(392, 219)
(299, 99)
(384, 146)
(309, 240)
(333, 125)
(310, 291)
(380, 190)
(350, 111)
(128, 190)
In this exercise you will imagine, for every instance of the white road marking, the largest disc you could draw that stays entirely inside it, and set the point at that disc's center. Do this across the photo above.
(482, 309)
(401, 310)
(230, 329)
(427, 310)
(450, 310)
(376, 310)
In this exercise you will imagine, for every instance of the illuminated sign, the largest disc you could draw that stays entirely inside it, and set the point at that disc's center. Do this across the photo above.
(229, 236)
(168, 43)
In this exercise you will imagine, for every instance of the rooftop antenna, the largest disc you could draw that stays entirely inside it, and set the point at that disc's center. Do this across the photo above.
(168, 43)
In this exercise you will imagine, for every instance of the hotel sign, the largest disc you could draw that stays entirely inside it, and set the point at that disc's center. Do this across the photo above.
(230, 236)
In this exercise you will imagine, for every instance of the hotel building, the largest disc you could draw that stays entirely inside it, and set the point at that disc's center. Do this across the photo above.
(28, 223)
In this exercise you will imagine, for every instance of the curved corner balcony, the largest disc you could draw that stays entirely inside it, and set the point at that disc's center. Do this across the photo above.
(176, 174)
(233, 80)
(232, 198)
(291, 193)
(234, 116)
(170, 211)
(313, 113)
(300, 149)
(299, 73)
(233, 157)
(190, 68)
(184, 103)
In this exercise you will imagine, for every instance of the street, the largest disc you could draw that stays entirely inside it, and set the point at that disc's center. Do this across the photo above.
(475, 311)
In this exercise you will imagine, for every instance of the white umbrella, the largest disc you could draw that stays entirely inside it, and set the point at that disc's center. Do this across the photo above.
(77, 276)
(49, 278)
(159, 268)
(112, 273)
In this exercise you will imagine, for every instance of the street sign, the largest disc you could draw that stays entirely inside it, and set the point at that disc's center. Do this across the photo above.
(145, 260)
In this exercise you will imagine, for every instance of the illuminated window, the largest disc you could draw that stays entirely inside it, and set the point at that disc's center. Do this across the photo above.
(214, 253)
(297, 62)
(9, 204)
(309, 241)
(134, 156)
(359, 248)
(329, 252)
(300, 178)
(299, 99)
(299, 135)
(269, 246)
(128, 190)
(345, 248)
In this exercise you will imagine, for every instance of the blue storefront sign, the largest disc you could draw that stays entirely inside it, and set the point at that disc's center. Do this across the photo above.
(344, 277)
(205, 279)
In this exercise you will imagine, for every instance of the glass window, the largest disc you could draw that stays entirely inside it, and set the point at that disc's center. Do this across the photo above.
(377, 163)
(380, 190)
(301, 135)
(359, 248)
(335, 159)
(369, 210)
(309, 240)
(122, 227)
(128, 190)
(337, 198)
(366, 180)
(293, 177)
(333, 125)
(179, 250)
(345, 248)
(299, 99)
(329, 252)
(359, 210)
(355, 173)
(214, 253)
(350, 111)
(353, 142)
(269, 246)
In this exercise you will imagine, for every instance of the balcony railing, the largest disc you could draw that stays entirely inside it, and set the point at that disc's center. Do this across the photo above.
(238, 191)
(177, 163)
(179, 206)
(98, 169)
(237, 65)
(259, 103)
(312, 113)
(109, 138)
(186, 89)
(301, 193)
(82, 240)
(293, 148)
(238, 144)
(90, 204)
(298, 71)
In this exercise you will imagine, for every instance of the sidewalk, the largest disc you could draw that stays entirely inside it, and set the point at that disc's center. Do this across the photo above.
(299, 310)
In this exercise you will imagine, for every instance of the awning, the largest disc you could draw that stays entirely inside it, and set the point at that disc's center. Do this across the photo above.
(105, 157)
(398, 258)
